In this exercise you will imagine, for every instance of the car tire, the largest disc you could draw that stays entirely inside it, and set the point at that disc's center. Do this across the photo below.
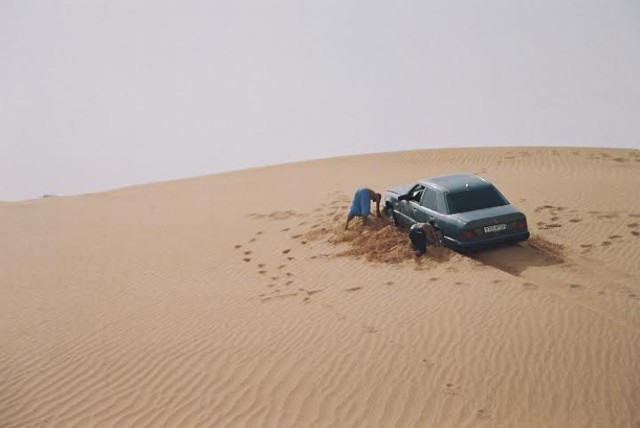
(391, 215)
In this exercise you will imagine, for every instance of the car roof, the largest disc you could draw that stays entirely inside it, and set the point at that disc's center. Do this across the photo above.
(455, 182)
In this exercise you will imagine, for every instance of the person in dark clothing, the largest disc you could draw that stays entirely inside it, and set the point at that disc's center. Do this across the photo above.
(423, 235)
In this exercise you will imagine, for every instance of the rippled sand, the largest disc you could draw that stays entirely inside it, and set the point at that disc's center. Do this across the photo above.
(238, 300)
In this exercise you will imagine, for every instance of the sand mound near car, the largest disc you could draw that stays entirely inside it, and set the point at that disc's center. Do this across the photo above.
(378, 241)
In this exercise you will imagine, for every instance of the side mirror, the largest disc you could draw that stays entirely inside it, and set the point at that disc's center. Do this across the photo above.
(404, 197)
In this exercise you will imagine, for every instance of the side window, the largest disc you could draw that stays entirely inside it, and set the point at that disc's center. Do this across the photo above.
(416, 193)
(430, 199)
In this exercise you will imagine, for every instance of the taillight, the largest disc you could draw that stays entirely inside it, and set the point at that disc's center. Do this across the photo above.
(522, 224)
(467, 234)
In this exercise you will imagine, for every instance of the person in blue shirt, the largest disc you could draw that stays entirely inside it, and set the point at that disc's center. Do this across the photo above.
(361, 205)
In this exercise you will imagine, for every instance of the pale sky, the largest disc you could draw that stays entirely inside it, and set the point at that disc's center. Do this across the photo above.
(102, 94)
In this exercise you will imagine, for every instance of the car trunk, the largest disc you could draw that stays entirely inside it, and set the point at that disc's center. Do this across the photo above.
(492, 218)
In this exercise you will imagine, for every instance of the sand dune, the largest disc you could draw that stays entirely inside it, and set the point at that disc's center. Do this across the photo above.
(238, 300)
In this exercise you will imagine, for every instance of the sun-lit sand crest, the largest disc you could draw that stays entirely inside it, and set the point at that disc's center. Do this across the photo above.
(239, 300)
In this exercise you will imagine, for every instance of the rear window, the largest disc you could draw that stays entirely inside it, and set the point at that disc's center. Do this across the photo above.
(475, 199)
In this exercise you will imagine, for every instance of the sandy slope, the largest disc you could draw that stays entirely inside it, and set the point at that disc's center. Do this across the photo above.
(237, 300)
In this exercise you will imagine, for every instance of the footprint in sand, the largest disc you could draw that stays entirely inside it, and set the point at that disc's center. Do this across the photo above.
(434, 278)
(247, 259)
(543, 207)
(483, 414)
(427, 363)
(353, 289)
(608, 215)
(290, 258)
(574, 286)
(451, 389)
(248, 252)
(575, 220)
(635, 233)
(237, 246)
(389, 283)
(281, 296)
(281, 266)
(286, 251)
(286, 229)
(605, 243)
(530, 286)
(551, 226)
(261, 265)
(262, 272)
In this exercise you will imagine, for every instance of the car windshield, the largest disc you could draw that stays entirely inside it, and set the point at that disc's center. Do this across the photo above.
(476, 199)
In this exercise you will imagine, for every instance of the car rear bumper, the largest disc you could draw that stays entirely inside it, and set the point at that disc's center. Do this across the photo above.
(485, 241)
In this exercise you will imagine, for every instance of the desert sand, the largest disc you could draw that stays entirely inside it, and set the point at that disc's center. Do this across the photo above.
(237, 300)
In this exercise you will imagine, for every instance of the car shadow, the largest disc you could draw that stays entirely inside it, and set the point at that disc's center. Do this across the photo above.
(516, 258)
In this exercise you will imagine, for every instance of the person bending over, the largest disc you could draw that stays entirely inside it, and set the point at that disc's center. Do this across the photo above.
(423, 235)
(361, 205)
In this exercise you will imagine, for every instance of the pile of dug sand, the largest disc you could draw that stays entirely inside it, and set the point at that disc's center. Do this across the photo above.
(378, 241)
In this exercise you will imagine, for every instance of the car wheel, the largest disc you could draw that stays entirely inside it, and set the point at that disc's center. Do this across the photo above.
(391, 215)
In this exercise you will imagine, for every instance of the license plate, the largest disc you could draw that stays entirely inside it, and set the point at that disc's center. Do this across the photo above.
(495, 228)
